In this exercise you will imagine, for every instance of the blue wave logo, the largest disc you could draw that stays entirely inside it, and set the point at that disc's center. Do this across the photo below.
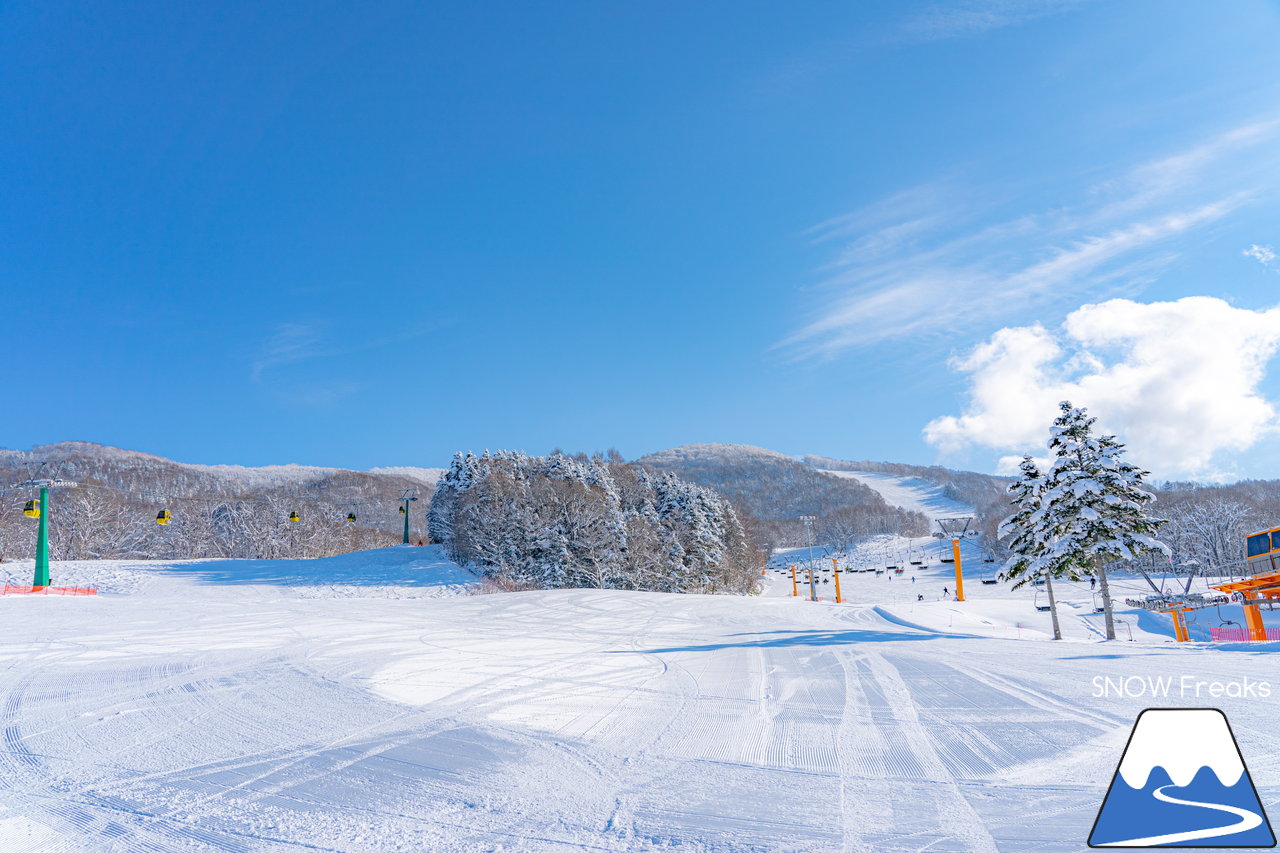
(1182, 782)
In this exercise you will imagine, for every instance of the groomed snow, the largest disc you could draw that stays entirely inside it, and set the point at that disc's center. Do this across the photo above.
(365, 704)
(910, 493)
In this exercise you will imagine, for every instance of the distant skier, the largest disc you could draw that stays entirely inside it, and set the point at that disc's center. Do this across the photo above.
(944, 592)
(1093, 582)
(913, 578)
(919, 596)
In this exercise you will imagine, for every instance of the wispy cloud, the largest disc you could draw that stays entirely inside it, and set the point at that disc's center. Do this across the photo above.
(973, 17)
(936, 256)
(292, 344)
(1264, 255)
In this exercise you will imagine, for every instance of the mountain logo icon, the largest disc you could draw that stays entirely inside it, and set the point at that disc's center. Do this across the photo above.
(1182, 782)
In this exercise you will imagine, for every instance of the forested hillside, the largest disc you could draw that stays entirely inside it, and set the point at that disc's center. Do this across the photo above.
(773, 490)
(217, 510)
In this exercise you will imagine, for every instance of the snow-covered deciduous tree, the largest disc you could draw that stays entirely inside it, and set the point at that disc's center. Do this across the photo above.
(1209, 532)
(559, 521)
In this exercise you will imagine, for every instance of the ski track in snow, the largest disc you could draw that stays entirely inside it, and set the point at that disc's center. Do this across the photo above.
(193, 710)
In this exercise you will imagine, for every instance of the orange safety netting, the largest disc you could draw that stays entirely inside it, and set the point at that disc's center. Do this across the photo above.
(47, 590)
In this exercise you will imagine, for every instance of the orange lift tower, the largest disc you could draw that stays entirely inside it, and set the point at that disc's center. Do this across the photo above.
(1262, 552)
(1251, 592)
(835, 570)
(955, 529)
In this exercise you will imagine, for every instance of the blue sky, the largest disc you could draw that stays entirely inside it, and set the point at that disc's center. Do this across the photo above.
(373, 234)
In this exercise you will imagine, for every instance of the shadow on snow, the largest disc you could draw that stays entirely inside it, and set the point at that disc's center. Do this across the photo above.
(798, 639)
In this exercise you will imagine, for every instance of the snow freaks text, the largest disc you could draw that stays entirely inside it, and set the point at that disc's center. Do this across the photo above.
(1186, 686)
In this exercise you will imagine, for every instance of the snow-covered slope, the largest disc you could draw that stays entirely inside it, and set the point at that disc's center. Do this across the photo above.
(248, 706)
(426, 476)
(910, 493)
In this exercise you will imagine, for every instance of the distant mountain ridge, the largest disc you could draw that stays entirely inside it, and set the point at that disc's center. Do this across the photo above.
(218, 510)
(222, 510)
(85, 458)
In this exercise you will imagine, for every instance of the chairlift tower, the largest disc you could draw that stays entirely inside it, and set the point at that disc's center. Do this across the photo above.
(42, 536)
(405, 499)
(955, 529)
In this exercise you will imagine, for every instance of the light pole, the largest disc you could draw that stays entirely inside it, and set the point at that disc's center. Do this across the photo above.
(808, 535)
(408, 496)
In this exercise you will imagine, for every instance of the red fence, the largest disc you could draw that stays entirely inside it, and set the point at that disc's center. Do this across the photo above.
(1238, 635)
(47, 590)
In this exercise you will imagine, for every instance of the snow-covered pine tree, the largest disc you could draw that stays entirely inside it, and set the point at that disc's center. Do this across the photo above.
(1025, 538)
(1093, 507)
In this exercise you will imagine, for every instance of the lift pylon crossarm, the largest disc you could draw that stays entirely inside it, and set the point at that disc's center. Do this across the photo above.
(1190, 601)
(45, 484)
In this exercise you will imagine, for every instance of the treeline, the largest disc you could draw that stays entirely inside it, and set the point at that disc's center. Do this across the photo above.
(217, 511)
(1207, 524)
(100, 523)
(772, 492)
(556, 521)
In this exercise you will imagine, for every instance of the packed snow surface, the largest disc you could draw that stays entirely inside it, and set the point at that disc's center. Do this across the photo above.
(365, 703)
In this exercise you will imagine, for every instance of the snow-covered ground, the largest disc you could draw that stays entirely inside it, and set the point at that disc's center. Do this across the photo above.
(362, 703)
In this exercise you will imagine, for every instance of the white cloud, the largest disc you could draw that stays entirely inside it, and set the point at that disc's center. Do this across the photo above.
(935, 258)
(1264, 255)
(1177, 381)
